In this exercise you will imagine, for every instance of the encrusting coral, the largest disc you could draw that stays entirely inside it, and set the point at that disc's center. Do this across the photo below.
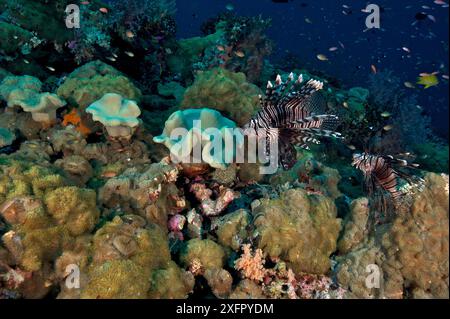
(132, 260)
(150, 193)
(32, 206)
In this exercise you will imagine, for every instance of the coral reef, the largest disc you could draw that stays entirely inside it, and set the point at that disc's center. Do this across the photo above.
(209, 254)
(299, 228)
(24, 91)
(188, 130)
(411, 253)
(118, 115)
(224, 91)
(92, 81)
(97, 203)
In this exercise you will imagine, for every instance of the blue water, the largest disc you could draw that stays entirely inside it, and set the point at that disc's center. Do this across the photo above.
(427, 40)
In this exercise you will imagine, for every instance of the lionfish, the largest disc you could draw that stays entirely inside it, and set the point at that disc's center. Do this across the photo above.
(294, 116)
(383, 177)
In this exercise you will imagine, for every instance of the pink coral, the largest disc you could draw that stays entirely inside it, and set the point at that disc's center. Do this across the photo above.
(208, 206)
(251, 265)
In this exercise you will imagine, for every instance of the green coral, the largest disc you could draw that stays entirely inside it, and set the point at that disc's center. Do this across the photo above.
(92, 81)
(40, 16)
(138, 266)
(18, 178)
(299, 228)
(38, 205)
(225, 91)
(12, 37)
(357, 99)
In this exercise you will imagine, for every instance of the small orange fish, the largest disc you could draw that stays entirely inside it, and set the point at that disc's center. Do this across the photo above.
(374, 69)
(109, 174)
(103, 10)
(73, 118)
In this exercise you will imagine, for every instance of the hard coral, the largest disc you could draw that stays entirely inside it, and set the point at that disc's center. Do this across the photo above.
(150, 193)
(73, 207)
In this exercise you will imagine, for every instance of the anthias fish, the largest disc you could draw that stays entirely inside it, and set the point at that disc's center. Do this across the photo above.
(296, 118)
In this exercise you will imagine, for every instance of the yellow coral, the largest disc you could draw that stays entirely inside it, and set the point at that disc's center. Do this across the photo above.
(171, 283)
(225, 91)
(299, 228)
(93, 80)
(117, 279)
(73, 207)
(210, 254)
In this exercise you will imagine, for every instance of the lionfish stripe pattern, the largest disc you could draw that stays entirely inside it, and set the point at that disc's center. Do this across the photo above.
(383, 171)
(293, 115)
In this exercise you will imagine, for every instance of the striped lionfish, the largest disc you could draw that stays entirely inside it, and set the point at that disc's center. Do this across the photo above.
(383, 176)
(293, 117)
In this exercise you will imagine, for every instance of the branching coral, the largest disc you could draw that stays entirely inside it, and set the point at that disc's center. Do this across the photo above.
(136, 14)
(243, 46)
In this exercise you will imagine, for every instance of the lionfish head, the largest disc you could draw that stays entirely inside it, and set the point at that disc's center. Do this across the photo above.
(357, 158)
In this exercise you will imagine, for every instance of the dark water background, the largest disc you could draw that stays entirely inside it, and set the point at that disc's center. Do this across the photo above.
(428, 41)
